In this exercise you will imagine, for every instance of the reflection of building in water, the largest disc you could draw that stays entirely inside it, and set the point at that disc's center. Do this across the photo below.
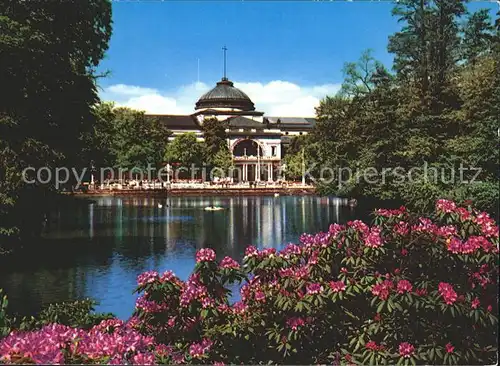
(260, 221)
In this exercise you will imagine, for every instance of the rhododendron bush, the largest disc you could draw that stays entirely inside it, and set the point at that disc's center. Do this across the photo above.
(404, 290)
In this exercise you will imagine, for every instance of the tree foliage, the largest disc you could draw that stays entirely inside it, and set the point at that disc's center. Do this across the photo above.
(49, 52)
(440, 110)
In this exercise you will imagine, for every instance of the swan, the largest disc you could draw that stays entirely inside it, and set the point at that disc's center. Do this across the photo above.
(276, 195)
(160, 205)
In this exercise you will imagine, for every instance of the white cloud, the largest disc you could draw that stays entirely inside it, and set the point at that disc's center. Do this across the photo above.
(276, 98)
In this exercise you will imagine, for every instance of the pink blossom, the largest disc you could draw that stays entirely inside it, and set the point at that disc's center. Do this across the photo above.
(372, 346)
(147, 277)
(251, 251)
(447, 292)
(373, 239)
(359, 226)
(475, 303)
(144, 359)
(401, 228)
(383, 289)
(449, 348)
(445, 206)
(230, 263)
(260, 296)
(205, 255)
(295, 323)
(337, 286)
(404, 286)
(406, 350)
(314, 288)
(198, 350)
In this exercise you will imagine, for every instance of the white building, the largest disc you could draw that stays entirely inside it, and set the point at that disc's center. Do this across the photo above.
(257, 143)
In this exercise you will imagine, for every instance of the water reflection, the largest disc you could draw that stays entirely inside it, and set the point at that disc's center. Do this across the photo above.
(98, 250)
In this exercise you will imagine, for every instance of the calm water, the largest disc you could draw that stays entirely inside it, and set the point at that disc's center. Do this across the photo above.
(98, 250)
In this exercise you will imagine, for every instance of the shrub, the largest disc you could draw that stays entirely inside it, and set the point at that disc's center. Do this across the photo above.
(404, 290)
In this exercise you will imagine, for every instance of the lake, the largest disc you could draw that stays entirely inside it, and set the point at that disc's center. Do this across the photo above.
(97, 250)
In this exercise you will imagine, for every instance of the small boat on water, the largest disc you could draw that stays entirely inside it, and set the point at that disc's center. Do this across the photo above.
(213, 208)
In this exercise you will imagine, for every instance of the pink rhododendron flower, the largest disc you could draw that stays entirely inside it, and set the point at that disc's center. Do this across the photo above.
(449, 348)
(373, 239)
(372, 346)
(229, 262)
(406, 350)
(198, 350)
(295, 323)
(337, 286)
(382, 289)
(445, 206)
(404, 286)
(205, 255)
(147, 277)
(314, 288)
(359, 226)
(475, 303)
(447, 292)
(401, 228)
(260, 296)
(144, 359)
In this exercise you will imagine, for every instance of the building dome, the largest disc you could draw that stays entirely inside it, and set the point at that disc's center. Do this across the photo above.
(225, 95)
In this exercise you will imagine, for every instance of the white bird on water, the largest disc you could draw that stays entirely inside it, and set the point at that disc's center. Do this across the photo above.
(160, 205)
(276, 195)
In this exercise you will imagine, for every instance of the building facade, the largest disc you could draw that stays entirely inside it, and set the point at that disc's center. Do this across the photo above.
(257, 142)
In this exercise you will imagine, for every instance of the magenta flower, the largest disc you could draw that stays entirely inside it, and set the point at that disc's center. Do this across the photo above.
(445, 206)
(314, 288)
(372, 346)
(251, 251)
(147, 277)
(229, 263)
(406, 350)
(449, 348)
(383, 289)
(404, 286)
(475, 303)
(144, 359)
(260, 296)
(205, 255)
(373, 239)
(402, 228)
(447, 293)
(295, 323)
(337, 286)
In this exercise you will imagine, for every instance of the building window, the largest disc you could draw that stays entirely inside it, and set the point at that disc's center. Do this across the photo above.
(273, 150)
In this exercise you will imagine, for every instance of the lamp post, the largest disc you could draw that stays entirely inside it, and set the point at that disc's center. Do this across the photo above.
(303, 168)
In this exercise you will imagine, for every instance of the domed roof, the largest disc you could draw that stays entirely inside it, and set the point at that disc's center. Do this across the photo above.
(225, 95)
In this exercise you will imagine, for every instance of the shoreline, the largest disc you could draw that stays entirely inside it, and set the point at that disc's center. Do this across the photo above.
(199, 192)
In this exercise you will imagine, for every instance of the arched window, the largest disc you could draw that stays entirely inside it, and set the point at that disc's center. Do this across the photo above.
(247, 148)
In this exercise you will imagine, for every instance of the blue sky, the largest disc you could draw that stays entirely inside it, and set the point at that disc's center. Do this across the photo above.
(284, 55)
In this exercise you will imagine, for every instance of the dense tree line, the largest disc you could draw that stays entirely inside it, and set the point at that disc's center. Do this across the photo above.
(49, 52)
(440, 108)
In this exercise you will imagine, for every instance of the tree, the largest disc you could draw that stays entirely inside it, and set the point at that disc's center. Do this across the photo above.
(184, 150)
(49, 54)
(477, 36)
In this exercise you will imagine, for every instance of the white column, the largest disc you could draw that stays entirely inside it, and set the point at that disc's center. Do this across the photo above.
(269, 172)
(245, 172)
(257, 172)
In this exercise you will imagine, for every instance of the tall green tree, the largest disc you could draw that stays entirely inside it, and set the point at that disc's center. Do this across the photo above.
(137, 140)
(185, 150)
(49, 52)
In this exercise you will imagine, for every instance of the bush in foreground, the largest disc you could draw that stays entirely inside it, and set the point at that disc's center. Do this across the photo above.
(404, 290)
